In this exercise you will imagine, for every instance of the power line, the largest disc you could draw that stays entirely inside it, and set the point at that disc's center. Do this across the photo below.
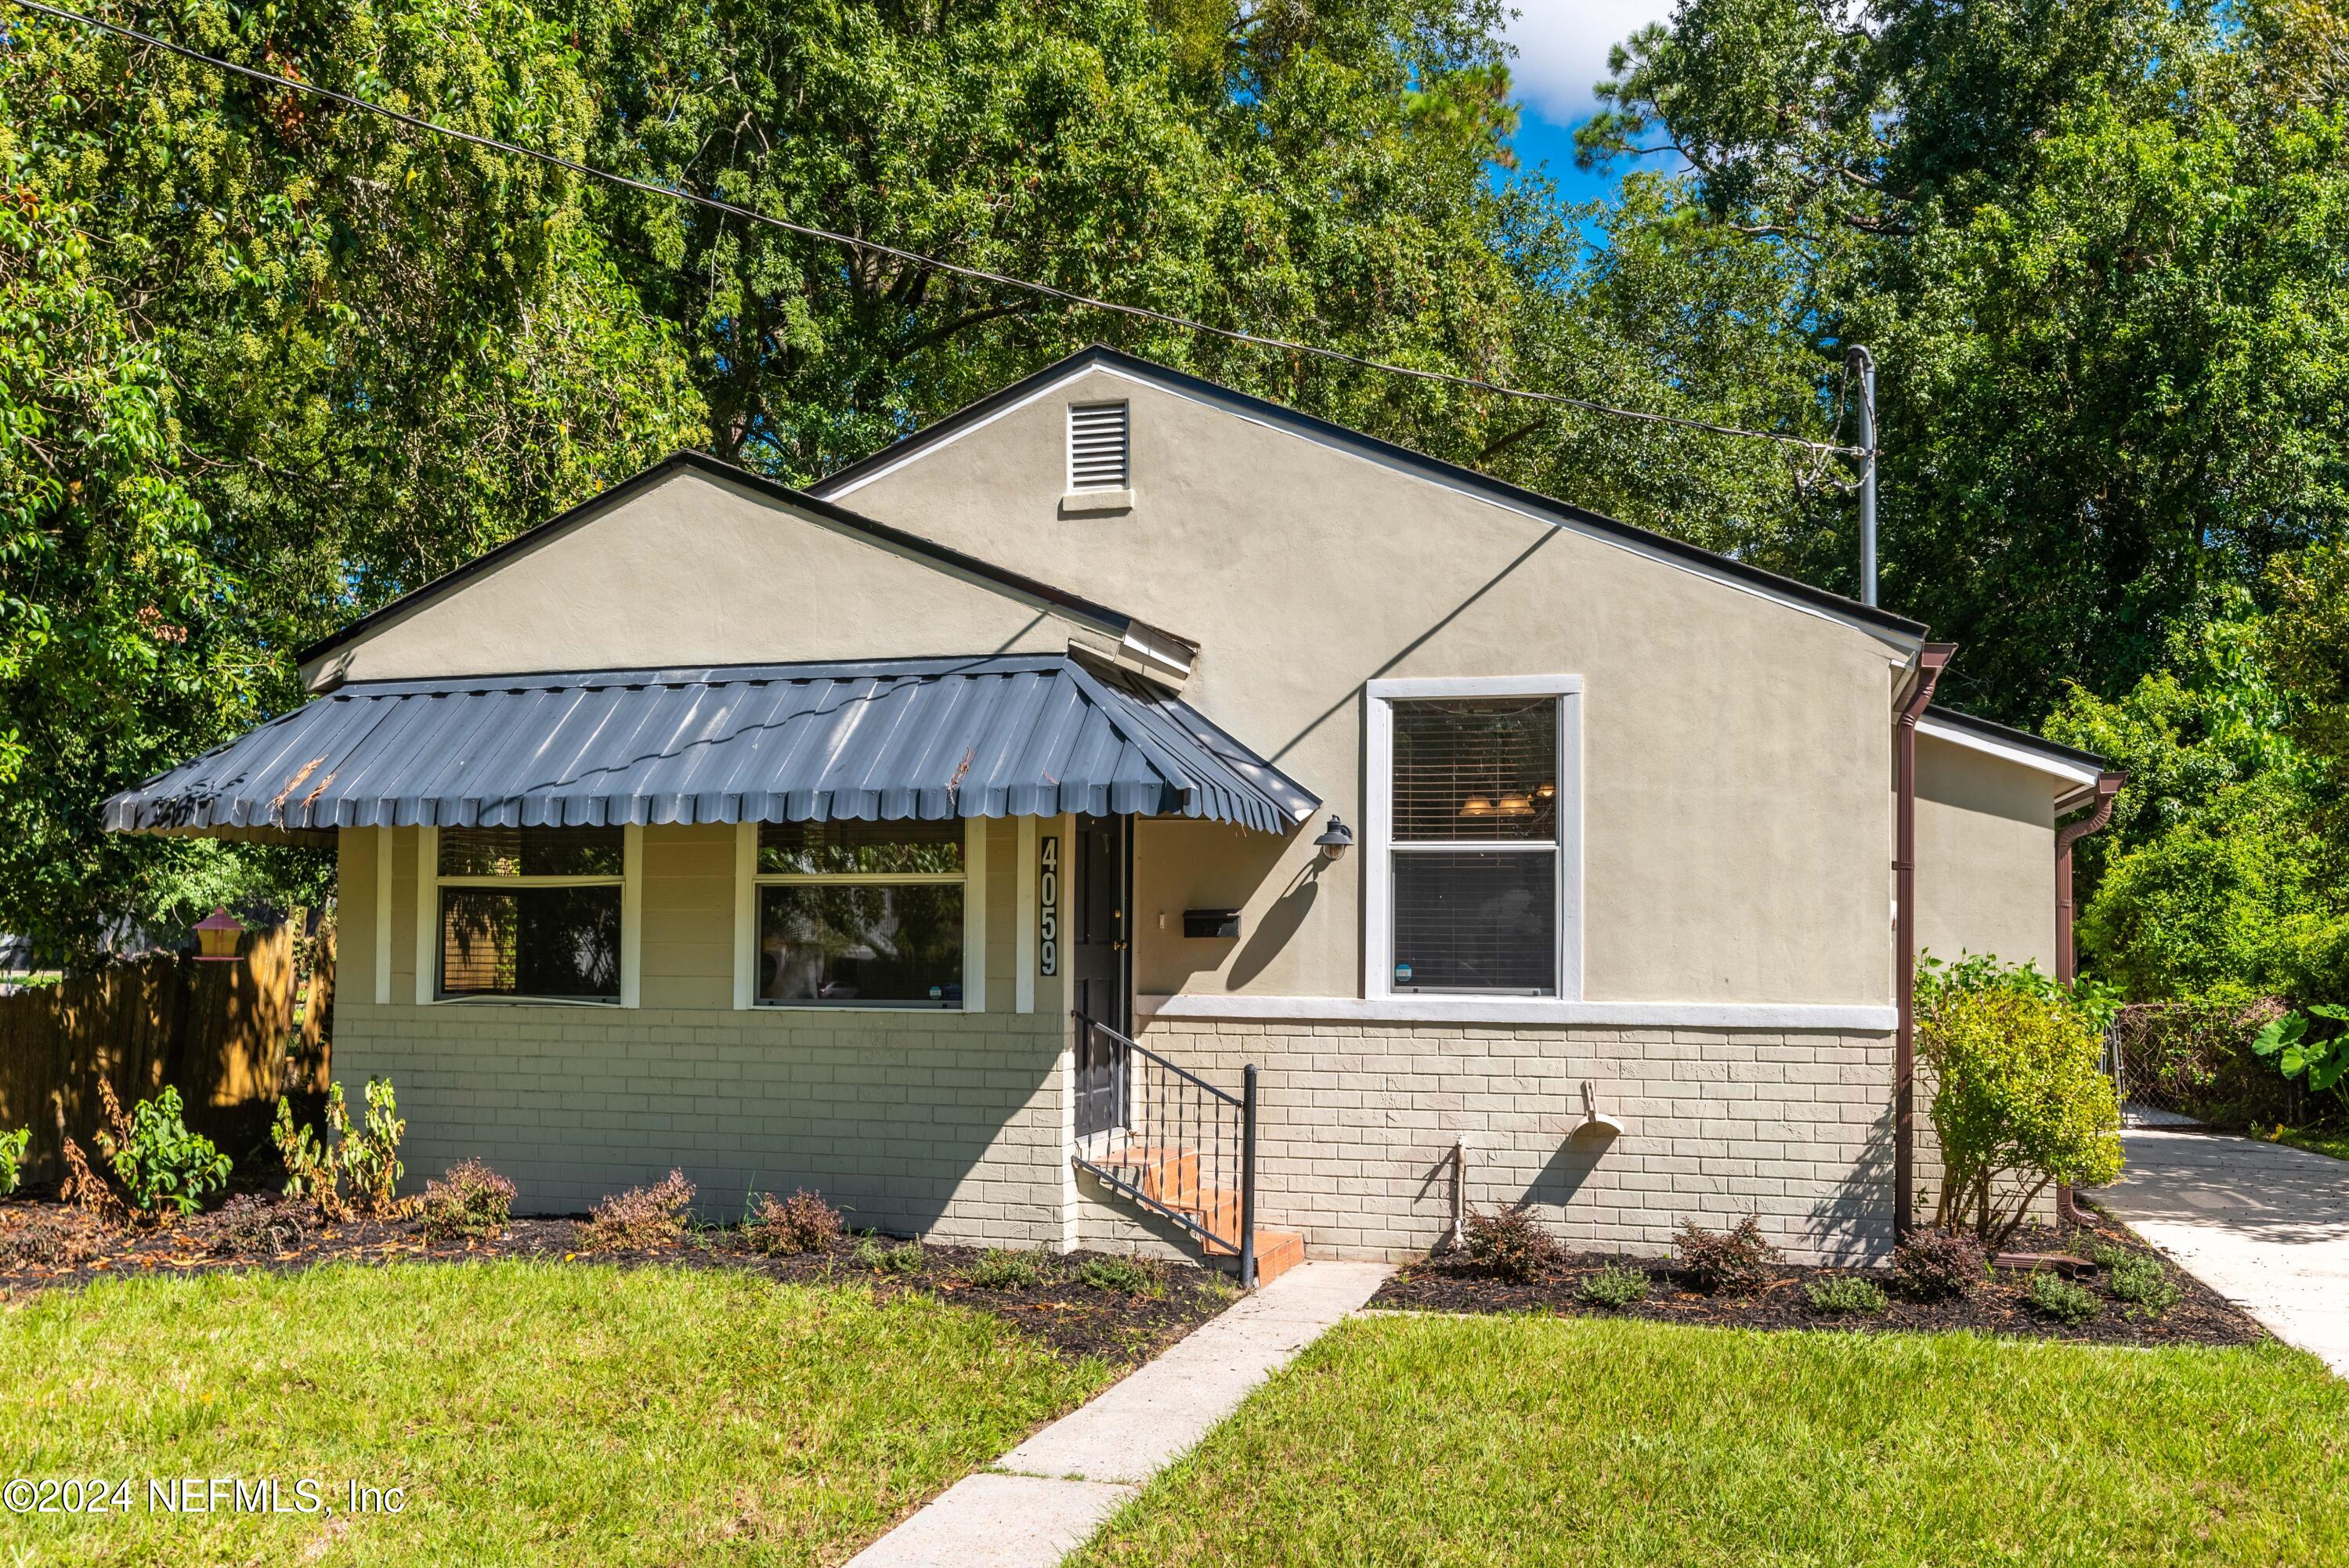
(1822, 450)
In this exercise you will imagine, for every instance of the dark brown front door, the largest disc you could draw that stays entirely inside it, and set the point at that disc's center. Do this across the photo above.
(1100, 972)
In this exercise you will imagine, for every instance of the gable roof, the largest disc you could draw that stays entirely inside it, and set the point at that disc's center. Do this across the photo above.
(1562, 513)
(1116, 622)
(2068, 764)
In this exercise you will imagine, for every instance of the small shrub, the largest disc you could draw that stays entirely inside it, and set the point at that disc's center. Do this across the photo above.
(12, 1158)
(1847, 1293)
(1737, 1258)
(2105, 1254)
(51, 1239)
(640, 1217)
(250, 1225)
(2060, 1299)
(1937, 1265)
(802, 1222)
(903, 1258)
(366, 1158)
(1509, 1243)
(2146, 1285)
(1613, 1286)
(472, 1202)
(1127, 1276)
(158, 1163)
(1005, 1270)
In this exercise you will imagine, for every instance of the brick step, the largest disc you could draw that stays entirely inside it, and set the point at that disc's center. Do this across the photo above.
(1168, 1175)
(1277, 1251)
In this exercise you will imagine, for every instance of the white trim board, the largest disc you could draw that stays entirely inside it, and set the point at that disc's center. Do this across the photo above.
(2078, 774)
(1508, 1011)
(1906, 645)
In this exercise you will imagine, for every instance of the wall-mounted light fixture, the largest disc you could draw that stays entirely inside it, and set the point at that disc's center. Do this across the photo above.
(1335, 840)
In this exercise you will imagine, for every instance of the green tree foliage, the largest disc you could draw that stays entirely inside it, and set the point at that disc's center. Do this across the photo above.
(2096, 248)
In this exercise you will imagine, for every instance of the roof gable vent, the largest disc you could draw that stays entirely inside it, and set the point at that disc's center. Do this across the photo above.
(1098, 447)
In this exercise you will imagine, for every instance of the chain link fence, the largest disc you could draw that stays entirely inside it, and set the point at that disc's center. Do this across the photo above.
(2190, 1064)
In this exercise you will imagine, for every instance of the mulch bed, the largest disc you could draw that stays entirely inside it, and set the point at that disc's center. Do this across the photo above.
(1072, 1317)
(2001, 1305)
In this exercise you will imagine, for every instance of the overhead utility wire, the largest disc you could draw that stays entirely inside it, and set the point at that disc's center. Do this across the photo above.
(1142, 313)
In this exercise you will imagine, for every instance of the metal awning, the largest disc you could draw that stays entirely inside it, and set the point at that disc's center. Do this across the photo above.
(999, 735)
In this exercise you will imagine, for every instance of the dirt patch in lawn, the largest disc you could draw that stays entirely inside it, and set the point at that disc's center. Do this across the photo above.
(44, 1245)
(2002, 1305)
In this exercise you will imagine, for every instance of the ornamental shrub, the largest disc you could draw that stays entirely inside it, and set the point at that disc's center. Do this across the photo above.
(802, 1222)
(2062, 1300)
(51, 1238)
(1509, 1243)
(1937, 1265)
(2019, 1099)
(366, 1158)
(251, 1224)
(640, 1217)
(1002, 1269)
(2145, 1284)
(12, 1158)
(157, 1162)
(1736, 1260)
(884, 1257)
(1847, 1294)
(472, 1202)
(1126, 1276)
(1613, 1286)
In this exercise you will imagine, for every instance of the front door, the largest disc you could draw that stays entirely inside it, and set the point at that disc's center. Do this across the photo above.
(1098, 971)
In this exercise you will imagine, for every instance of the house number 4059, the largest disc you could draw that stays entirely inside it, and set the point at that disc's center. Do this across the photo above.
(1047, 906)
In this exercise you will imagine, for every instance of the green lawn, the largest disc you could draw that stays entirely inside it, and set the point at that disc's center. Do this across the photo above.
(2333, 1141)
(534, 1414)
(1528, 1441)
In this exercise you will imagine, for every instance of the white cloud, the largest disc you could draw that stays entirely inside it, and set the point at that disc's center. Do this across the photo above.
(1562, 49)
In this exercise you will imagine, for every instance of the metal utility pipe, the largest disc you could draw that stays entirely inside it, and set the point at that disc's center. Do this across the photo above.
(1931, 661)
(1862, 365)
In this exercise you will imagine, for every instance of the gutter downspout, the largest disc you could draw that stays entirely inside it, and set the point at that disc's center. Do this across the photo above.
(2067, 960)
(1931, 659)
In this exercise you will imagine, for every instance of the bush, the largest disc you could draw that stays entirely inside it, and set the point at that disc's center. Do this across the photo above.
(802, 1222)
(1847, 1293)
(1510, 1243)
(2145, 1284)
(1127, 1276)
(250, 1225)
(640, 1217)
(1004, 1270)
(472, 1202)
(157, 1162)
(904, 1258)
(2105, 1254)
(367, 1158)
(51, 1239)
(12, 1158)
(1737, 1260)
(2060, 1299)
(1937, 1265)
(2019, 1099)
(1613, 1286)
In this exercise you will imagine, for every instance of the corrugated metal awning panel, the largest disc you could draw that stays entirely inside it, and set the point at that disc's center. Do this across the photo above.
(1013, 736)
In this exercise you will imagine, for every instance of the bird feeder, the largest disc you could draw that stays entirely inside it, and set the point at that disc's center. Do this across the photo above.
(216, 936)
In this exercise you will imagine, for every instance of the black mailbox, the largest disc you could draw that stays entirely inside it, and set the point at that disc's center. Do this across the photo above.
(1211, 922)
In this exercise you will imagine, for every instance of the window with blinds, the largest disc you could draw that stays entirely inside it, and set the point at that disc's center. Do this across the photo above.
(1098, 447)
(531, 912)
(1474, 845)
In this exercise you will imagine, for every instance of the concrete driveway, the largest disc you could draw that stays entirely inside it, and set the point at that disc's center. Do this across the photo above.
(2263, 1224)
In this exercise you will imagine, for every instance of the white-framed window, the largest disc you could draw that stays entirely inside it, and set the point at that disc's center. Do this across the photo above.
(861, 914)
(529, 914)
(1100, 449)
(1473, 853)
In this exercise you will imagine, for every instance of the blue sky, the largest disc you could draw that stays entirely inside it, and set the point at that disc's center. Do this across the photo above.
(1561, 50)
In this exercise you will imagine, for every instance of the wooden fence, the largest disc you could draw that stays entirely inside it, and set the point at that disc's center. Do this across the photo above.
(231, 1037)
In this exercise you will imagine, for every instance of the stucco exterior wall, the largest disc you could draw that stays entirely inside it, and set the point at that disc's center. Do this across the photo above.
(1735, 749)
(697, 572)
(1359, 1123)
(1985, 856)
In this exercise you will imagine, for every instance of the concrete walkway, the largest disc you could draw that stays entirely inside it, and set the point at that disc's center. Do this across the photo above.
(2263, 1224)
(1045, 1497)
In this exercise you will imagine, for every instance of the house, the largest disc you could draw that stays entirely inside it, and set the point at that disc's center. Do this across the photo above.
(1131, 813)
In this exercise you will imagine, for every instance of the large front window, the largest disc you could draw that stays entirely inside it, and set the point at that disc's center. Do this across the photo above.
(861, 913)
(1474, 835)
(531, 912)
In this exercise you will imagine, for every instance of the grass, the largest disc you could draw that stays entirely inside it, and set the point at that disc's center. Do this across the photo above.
(2333, 1141)
(1529, 1440)
(534, 1413)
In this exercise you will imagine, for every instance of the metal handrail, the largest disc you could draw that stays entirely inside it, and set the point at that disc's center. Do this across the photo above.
(1202, 1139)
